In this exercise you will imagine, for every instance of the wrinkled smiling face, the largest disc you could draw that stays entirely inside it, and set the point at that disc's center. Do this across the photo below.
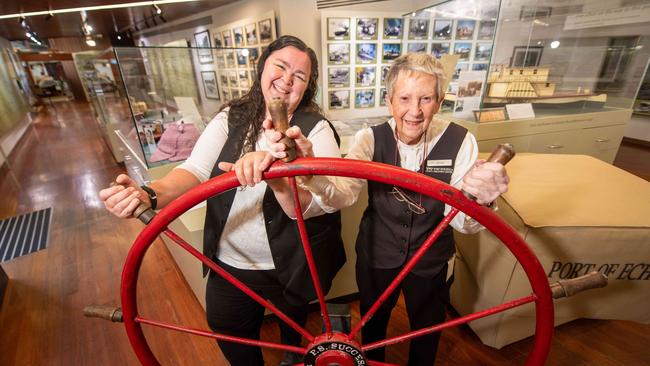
(285, 76)
(413, 104)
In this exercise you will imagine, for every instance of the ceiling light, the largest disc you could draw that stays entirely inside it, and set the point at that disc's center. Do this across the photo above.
(158, 9)
(119, 38)
(555, 44)
(90, 41)
(91, 8)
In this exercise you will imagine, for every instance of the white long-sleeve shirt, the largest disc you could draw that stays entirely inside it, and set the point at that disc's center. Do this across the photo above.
(244, 243)
(335, 193)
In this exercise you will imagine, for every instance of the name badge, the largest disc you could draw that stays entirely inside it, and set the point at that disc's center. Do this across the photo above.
(442, 162)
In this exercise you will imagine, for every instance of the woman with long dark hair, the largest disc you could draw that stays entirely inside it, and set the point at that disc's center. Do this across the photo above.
(249, 232)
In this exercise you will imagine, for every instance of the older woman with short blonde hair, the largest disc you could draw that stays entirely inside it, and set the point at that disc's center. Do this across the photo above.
(397, 221)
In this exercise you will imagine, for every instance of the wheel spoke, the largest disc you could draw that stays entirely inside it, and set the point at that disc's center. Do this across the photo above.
(235, 282)
(221, 337)
(304, 238)
(451, 323)
(405, 271)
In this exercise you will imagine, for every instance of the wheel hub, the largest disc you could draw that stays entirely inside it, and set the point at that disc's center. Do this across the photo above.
(334, 350)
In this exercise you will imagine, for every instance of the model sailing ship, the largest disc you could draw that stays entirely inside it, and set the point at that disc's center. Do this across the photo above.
(531, 85)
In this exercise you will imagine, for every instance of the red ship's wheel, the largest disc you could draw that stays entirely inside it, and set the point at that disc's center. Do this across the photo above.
(333, 347)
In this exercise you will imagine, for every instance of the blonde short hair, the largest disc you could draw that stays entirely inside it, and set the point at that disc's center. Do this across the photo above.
(420, 62)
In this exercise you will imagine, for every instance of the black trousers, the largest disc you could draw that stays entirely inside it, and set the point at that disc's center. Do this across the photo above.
(425, 300)
(230, 311)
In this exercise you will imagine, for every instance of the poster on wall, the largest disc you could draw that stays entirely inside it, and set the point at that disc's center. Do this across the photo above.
(338, 28)
(382, 97)
(338, 77)
(238, 34)
(218, 40)
(210, 84)
(338, 53)
(366, 53)
(418, 28)
(482, 51)
(231, 62)
(391, 51)
(465, 29)
(367, 28)
(227, 38)
(384, 72)
(364, 98)
(266, 32)
(202, 40)
(242, 60)
(417, 47)
(442, 29)
(339, 99)
(470, 86)
(486, 30)
(393, 28)
(440, 49)
(365, 75)
(244, 81)
(463, 49)
(251, 34)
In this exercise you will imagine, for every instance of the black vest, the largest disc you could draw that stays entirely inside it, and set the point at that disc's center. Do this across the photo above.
(283, 235)
(390, 233)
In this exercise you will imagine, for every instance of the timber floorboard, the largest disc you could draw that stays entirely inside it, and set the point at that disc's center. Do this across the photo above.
(62, 162)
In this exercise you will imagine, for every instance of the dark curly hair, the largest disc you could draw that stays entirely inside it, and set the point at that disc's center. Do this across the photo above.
(249, 110)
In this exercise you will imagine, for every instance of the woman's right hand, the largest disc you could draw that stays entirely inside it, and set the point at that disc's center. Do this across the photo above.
(304, 147)
(123, 197)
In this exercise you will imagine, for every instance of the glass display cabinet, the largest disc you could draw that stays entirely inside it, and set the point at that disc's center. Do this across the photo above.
(103, 87)
(549, 78)
(171, 93)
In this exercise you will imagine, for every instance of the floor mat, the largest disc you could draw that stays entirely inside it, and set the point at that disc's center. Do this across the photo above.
(24, 234)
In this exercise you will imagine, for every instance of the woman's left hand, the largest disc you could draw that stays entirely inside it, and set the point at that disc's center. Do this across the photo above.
(249, 168)
(486, 181)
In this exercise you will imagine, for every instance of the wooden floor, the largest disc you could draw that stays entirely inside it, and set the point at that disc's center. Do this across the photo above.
(62, 162)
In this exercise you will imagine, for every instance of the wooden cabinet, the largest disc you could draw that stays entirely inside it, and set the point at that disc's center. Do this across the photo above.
(597, 134)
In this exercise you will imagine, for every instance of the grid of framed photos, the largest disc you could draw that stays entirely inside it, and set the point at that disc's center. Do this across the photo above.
(242, 44)
(359, 51)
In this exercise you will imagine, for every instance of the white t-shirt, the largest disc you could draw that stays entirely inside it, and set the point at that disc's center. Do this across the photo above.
(244, 243)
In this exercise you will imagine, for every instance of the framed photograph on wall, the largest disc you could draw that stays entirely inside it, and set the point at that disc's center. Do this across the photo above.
(393, 28)
(367, 28)
(223, 79)
(382, 97)
(266, 31)
(338, 53)
(440, 49)
(461, 66)
(364, 98)
(338, 28)
(227, 38)
(486, 30)
(366, 53)
(417, 48)
(339, 99)
(232, 79)
(384, 72)
(463, 49)
(338, 77)
(390, 51)
(418, 28)
(210, 84)
(480, 66)
(365, 75)
(251, 34)
(231, 61)
(242, 60)
(524, 56)
(202, 40)
(465, 29)
(482, 51)
(253, 56)
(442, 29)
(218, 40)
(244, 80)
(238, 34)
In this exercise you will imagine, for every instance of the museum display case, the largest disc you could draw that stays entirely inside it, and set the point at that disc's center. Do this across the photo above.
(547, 78)
(171, 93)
